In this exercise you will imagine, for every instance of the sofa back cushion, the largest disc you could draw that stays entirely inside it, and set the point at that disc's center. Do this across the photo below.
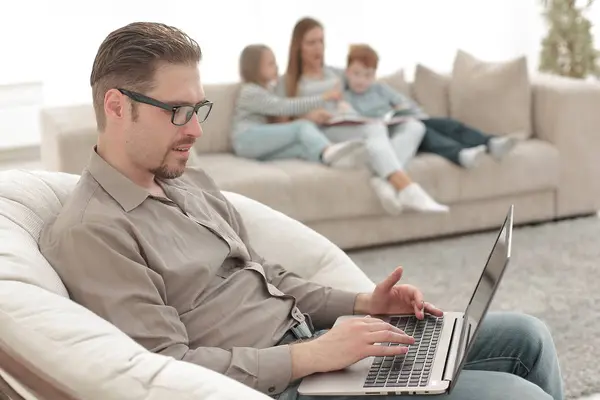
(494, 97)
(217, 127)
(431, 90)
(27, 199)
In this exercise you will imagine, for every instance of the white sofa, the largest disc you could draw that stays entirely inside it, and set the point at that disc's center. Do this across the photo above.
(552, 174)
(52, 348)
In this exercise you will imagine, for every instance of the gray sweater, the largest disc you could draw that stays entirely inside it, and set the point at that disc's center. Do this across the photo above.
(255, 104)
(315, 86)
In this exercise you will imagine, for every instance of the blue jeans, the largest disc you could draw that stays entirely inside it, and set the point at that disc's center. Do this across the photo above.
(299, 139)
(389, 149)
(513, 357)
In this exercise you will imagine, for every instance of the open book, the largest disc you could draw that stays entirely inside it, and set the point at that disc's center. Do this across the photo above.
(391, 118)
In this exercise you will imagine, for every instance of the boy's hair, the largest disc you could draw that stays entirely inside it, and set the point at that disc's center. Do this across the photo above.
(129, 57)
(364, 54)
(250, 61)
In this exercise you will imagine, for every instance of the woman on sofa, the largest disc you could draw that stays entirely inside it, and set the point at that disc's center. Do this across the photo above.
(307, 76)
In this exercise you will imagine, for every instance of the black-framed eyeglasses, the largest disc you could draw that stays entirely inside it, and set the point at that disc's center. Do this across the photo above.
(181, 114)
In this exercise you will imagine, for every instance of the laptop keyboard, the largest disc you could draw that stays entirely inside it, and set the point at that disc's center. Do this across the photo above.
(414, 368)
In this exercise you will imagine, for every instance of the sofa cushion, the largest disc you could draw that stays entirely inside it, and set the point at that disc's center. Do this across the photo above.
(396, 81)
(322, 193)
(431, 91)
(27, 199)
(533, 165)
(494, 97)
(217, 127)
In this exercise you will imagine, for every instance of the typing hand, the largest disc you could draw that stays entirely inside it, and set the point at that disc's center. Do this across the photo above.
(389, 298)
(346, 343)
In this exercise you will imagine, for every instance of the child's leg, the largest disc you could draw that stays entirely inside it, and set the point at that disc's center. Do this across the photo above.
(457, 131)
(406, 139)
(440, 144)
(298, 139)
(471, 138)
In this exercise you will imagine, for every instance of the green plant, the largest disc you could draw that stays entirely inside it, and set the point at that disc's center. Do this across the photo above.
(568, 48)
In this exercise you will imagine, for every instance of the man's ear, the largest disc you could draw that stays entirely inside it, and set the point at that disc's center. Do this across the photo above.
(114, 104)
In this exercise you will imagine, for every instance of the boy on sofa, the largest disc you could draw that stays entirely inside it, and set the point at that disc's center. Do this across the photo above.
(446, 137)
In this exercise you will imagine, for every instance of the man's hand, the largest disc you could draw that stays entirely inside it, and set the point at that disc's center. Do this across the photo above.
(389, 298)
(346, 343)
(318, 116)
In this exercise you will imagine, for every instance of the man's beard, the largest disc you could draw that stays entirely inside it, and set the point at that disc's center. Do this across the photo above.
(164, 172)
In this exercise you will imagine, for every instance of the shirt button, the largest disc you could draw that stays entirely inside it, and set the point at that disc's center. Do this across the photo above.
(271, 389)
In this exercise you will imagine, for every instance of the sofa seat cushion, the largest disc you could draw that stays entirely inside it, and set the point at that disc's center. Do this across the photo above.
(312, 192)
(322, 193)
(533, 165)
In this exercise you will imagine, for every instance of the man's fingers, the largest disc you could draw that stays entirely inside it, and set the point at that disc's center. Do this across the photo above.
(388, 336)
(384, 351)
(433, 310)
(388, 283)
(418, 303)
(384, 326)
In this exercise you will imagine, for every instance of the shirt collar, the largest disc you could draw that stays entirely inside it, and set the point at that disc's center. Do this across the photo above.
(118, 186)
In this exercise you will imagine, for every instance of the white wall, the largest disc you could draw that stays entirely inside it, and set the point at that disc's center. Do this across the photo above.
(55, 41)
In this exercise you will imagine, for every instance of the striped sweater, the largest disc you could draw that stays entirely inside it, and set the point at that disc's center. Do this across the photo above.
(256, 103)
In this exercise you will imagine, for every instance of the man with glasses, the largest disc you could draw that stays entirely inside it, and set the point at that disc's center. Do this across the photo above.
(158, 251)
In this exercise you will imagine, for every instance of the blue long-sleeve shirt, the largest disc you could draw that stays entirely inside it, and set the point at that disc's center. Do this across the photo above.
(380, 99)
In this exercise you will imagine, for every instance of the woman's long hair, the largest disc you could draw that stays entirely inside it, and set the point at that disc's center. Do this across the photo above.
(294, 67)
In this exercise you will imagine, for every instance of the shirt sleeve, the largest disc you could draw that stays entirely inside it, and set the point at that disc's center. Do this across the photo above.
(104, 270)
(280, 88)
(259, 100)
(398, 99)
(394, 97)
(324, 304)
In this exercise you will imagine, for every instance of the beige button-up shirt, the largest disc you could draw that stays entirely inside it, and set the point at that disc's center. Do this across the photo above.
(177, 275)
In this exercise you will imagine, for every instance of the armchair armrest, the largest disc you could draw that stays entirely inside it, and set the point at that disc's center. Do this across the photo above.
(566, 113)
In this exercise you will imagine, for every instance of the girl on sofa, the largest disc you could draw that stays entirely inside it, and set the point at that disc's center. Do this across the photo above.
(256, 135)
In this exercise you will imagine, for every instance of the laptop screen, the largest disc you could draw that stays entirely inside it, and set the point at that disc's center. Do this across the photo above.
(484, 291)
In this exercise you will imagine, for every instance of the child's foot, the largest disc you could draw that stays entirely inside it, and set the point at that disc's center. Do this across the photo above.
(470, 157)
(350, 154)
(387, 195)
(414, 197)
(500, 146)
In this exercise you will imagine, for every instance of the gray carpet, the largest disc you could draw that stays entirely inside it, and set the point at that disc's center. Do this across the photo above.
(553, 275)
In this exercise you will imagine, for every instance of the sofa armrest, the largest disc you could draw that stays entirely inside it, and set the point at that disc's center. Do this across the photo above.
(68, 136)
(566, 113)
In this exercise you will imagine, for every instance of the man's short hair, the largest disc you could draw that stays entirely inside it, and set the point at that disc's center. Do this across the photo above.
(129, 57)
(364, 54)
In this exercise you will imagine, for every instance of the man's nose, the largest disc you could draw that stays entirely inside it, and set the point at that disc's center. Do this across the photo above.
(193, 127)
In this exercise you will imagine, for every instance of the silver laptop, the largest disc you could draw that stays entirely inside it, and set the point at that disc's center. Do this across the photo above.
(433, 364)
